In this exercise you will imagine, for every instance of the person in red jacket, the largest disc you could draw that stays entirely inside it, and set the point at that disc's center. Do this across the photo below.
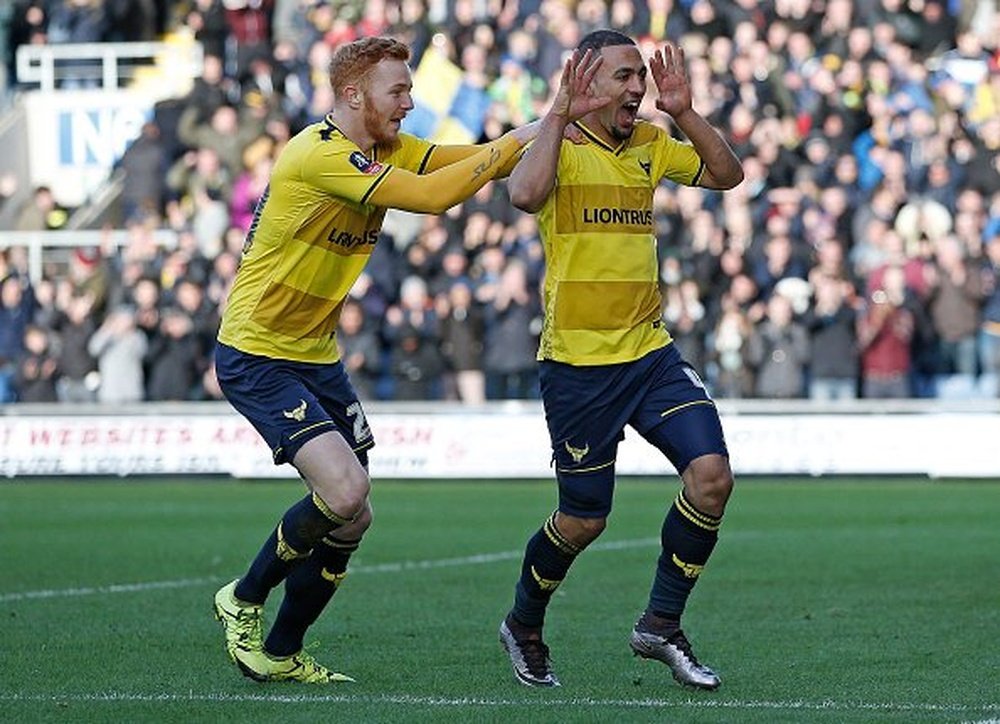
(885, 332)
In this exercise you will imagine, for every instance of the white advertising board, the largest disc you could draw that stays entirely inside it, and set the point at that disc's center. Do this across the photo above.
(498, 445)
(75, 137)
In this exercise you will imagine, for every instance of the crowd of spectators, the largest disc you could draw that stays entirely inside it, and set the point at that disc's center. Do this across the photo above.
(859, 258)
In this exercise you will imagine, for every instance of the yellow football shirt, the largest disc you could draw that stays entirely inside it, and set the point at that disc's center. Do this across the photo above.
(602, 296)
(312, 235)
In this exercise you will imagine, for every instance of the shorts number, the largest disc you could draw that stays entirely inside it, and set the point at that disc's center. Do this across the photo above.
(361, 429)
(695, 379)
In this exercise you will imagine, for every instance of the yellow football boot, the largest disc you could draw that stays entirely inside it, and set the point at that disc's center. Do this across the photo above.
(242, 622)
(262, 666)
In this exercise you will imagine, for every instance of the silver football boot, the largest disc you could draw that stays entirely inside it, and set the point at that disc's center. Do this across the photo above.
(529, 658)
(674, 650)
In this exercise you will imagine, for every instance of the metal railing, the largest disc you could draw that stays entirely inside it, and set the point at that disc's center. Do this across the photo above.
(47, 66)
(37, 242)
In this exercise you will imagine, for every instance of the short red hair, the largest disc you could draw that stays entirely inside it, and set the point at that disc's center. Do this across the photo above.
(353, 61)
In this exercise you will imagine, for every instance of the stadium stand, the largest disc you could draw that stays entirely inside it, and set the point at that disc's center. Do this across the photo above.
(861, 256)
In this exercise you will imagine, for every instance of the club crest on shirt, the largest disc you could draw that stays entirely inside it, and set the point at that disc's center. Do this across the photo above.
(363, 164)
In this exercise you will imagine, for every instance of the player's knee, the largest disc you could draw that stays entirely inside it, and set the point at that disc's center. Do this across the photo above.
(580, 532)
(709, 483)
(362, 522)
(347, 493)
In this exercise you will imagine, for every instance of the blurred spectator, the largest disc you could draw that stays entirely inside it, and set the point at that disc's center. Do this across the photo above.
(28, 22)
(249, 24)
(989, 334)
(225, 132)
(41, 212)
(454, 269)
(664, 21)
(35, 380)
(144, 164)
(686, 319)
(210, 90)
(462, 343)
(777, 262)
(144, 296)
(252, 182)
(130, 21)
(412, 28)
(119, 348)
(292, 82)
(202, 188)
(956, 293)
(369, 295)
(416, 367)
(885, 332)
(207, 18)
(76, 21)
(778, 352)
(174, 358)
(17, 305)
(359, 349)
(729, 374)
(89, 275)
(513, 321)
(832, 325)
(189, 298)
(412, 329)
(75, 325)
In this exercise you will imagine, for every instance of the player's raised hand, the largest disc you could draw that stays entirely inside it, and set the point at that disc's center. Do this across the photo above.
(575, 97)
(670, 76)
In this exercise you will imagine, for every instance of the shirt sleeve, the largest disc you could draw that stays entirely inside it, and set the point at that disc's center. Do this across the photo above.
(344, 171)
(412, 153)
(676, 161)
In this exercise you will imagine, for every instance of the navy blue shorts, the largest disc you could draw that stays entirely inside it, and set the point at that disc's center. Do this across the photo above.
(587, 409)
(290, 403)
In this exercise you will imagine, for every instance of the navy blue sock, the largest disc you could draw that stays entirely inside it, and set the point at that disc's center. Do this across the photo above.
(547, 558)
(300, 529)
(688, 537)
(308, 589)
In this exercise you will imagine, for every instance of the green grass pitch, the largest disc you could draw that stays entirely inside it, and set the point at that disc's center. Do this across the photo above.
(826, 600)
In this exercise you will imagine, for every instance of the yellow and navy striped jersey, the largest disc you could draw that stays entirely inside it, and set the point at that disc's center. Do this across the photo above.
(602, 297)
(312, 234)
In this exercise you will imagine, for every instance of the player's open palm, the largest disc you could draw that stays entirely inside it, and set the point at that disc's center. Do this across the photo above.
(575, 97)
(670, 76)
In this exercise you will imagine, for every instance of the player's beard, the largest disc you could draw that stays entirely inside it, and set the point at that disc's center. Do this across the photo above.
(376, 126)
(620, 133)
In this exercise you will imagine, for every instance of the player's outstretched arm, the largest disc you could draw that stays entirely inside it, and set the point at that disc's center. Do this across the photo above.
(722, 168)
(443, 156)
(436, 192)
(533, 178)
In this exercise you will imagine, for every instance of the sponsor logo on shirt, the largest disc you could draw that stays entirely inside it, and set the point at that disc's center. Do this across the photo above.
(633, 217)
(363, 164)
(347, 240)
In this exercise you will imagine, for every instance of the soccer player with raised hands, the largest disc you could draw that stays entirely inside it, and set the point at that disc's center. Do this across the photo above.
(606, 360)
